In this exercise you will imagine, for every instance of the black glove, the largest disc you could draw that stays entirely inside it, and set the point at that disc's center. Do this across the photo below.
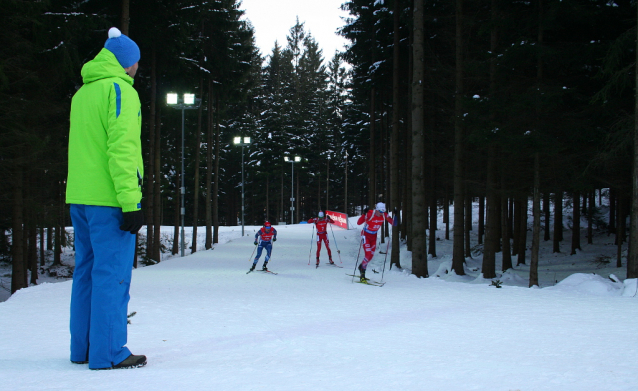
(255, 243)
(366, 210)
(133, 221)
(274, 239)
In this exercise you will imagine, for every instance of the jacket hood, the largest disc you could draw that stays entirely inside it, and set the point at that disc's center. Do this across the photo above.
(103, 66)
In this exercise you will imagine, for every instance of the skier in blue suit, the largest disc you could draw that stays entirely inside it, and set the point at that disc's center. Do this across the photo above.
(264, 238)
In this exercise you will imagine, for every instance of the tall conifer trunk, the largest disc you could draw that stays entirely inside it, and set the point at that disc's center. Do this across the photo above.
(522, 230)
(150, 172)
(558, 220)
(406, 213)
(481, 219)
(458, 252)
(547, 213)
(590, 219)
(157, 189)
(419, 256)
(493, 204)
(536, 200)
(505, 230)
(42, 259)
(536, 231)
(18, 276)
(49, 237)
(429, 174)
(395, 204)
(434, 216)
(491, 228)
(59, 228)
(515, 221)
(632, 256)
(216, 183)
(467, 221)
(198, 143)
(125, 17)
(371, 163)
(209, 166)
(576, 223)
(446, 213)
(620, 234)
(32, 250)
(612, 210)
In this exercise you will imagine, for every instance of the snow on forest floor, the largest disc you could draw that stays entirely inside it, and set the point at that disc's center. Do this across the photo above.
(205, 324)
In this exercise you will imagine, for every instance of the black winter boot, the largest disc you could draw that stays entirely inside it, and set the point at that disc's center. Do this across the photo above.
(131, 361)
(362, 271)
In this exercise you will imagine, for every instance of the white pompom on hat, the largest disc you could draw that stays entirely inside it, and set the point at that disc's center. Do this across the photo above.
(380, 207)
(114, 32)
(320, 214)
(125, 50)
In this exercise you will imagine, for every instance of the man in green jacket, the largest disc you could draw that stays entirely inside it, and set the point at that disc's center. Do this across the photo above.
(104, 189)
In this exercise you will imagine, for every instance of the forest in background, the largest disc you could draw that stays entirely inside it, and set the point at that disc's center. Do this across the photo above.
(433, 103)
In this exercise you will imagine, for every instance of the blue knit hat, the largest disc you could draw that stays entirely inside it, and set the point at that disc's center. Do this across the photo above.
(126, 51)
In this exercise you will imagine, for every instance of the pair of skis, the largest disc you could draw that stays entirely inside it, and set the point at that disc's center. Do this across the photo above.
(261, 270)
(330, 264)
(366, 281)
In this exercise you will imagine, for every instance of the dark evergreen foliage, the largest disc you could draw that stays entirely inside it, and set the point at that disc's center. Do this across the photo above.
(552, 79)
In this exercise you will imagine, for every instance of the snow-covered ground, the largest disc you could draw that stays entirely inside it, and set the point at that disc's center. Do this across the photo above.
(205, 324)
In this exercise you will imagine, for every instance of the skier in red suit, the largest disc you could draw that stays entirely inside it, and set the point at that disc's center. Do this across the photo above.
(321, 223)
(373, 220)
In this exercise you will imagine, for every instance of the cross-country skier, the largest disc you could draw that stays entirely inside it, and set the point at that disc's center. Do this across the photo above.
(321, 222)
(373, 220)
(264, 238)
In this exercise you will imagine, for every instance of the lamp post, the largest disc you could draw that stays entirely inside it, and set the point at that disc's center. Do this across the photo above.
(328, 185)
(243, 141)
(296, 159)
(345, 194)
(188, 102)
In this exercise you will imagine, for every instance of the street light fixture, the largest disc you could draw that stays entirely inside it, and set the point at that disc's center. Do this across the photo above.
(243, 141)
(296, 159)
(188, 102)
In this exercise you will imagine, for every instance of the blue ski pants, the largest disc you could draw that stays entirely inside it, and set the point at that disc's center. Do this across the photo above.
(268, 247)
(101, 281)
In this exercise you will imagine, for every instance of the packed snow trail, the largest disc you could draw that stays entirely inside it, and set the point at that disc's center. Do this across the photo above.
(205, 324)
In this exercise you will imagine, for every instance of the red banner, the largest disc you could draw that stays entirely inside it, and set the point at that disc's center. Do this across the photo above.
(340, 219)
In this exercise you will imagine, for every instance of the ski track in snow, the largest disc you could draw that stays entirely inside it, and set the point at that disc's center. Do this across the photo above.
(205, 324)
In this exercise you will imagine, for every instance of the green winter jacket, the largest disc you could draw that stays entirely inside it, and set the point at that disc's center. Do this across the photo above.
(105, 150)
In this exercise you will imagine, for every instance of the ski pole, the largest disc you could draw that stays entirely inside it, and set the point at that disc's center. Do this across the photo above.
(311, 237)
(357, 263)
(251, 255)
(335, 239)
(386, 256)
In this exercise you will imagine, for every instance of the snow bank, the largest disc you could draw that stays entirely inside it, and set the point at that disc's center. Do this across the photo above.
(592, 284)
